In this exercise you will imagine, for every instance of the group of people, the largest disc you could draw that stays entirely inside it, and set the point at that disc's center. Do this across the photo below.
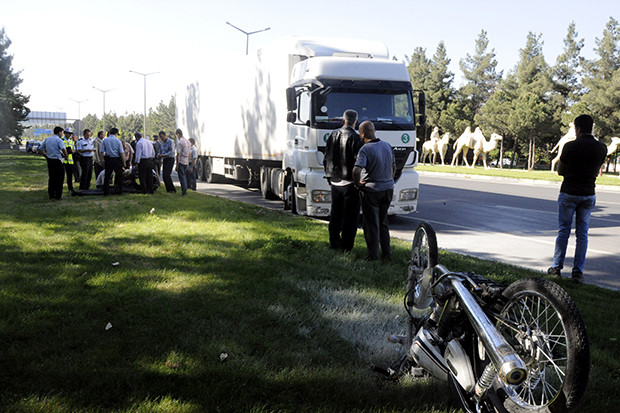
(110, 157)
(360, 169)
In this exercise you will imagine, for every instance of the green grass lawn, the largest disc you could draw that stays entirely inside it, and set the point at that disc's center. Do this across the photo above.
(214, 306)
(605, 179)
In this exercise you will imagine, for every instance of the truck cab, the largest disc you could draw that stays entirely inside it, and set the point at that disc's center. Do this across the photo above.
(322, 88)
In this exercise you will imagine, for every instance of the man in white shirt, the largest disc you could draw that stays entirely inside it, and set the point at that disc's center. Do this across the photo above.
(97, 157)
(145, 155)
(183, 154)
(85, 147)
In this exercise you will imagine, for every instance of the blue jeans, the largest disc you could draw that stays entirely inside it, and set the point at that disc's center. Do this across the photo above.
(182, 173)
(192, 177)
(581, 206)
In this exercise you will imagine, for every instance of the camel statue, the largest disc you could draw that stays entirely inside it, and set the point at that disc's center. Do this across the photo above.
(442, 146)
(464, 143)
(570, 136)
(483, 147)
(613, 146)
(430, 146)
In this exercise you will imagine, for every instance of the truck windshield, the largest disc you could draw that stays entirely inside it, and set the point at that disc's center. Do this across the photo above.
(387, 109)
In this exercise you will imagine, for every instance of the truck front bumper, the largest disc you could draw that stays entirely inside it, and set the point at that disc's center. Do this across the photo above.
(317, 193)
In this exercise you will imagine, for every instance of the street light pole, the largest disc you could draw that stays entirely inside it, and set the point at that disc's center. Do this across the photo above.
(79, 102)
(104, 92)
(247, 35)
(145, 75)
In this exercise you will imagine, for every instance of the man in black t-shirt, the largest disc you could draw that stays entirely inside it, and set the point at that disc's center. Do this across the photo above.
(579, 164)
(340, 154)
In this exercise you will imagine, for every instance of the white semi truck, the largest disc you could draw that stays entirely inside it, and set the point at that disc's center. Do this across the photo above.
(265, 120)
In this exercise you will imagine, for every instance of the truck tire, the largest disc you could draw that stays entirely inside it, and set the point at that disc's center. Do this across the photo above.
(265, 183)
(209, 176)
(200, 168)
(254, 180)
(290, 203)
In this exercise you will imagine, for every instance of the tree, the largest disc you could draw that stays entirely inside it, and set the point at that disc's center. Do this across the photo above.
(438, 86)
(13, 108)
(566, 72)
(534, 92)
(128, 124)
(93, 123)
(163, 118)
(433, 77)
(419, 68)
(495, 114)
(481, 77)
(602, 82)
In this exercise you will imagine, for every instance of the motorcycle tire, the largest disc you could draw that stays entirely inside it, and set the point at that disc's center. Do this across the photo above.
(424, 254)
(548, 333)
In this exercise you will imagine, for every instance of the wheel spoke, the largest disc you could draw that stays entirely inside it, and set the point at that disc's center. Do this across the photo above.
(531, 322)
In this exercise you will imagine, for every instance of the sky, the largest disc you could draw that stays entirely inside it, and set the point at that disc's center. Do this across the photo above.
(63, 48)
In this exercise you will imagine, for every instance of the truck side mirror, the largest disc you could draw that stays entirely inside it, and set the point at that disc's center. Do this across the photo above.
(291, 117)
(291, 99)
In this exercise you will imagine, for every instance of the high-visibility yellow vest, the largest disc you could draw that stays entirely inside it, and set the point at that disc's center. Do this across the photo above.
(69, 144)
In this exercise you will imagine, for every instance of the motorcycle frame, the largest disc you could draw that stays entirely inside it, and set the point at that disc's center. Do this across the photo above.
(505, 360)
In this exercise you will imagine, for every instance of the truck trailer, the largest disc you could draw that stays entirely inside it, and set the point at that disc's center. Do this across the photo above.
(264, 120)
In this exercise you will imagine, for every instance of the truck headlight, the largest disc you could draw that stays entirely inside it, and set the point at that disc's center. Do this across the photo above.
(321, 196)
(409, 194)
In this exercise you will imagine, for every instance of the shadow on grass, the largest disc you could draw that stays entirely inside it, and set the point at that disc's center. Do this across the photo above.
(199, 278)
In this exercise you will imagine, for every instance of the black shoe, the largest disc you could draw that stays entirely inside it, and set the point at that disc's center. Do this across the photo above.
(369, 258)
(554, 272)
(577, 276)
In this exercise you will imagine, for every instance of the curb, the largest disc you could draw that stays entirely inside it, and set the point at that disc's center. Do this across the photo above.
(610, 188)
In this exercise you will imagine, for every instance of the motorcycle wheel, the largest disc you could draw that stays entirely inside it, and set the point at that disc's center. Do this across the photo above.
(544, 326)
(424, 254)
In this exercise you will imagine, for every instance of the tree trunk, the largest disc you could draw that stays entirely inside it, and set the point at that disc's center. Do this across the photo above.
(501, 154)
(514, 153)
(531, 156)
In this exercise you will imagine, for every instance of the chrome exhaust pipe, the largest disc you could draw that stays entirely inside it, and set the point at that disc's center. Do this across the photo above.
(509, 366)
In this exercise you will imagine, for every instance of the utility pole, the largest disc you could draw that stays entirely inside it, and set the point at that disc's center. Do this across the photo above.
(104, 92)
(79, 102)
(145, 75)
(247, 35)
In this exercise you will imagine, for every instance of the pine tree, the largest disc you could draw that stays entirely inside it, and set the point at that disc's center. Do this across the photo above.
(481, 77)
(566, 72)
(419, 68)
(602, 82)
(13, 108)
(531, 116)
(438, 86)
(163, 118)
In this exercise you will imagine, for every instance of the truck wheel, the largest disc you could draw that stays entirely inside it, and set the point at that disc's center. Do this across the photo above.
(253, 180)
(209, 176)
(289, 193)
(265, 183)
(200, 168)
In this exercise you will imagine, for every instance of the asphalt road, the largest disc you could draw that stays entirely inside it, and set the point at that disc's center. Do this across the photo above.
(495, 219)
(514, 223)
